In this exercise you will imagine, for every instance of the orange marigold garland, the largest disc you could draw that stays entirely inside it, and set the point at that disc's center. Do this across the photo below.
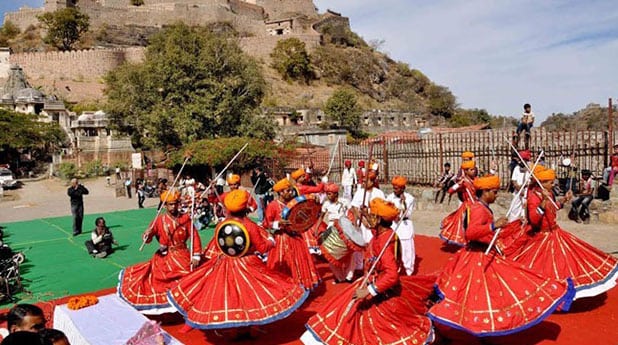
(80, 302)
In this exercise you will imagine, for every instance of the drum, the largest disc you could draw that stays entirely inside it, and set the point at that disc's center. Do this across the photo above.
(339, 241)
(302, 212)
(353, 235)
(232, 238)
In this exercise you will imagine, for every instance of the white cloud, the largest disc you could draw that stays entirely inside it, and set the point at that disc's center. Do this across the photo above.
(498, 55)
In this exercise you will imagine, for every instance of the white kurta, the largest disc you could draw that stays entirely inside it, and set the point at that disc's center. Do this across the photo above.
(405, 229)
(357, 201)
(518, 204)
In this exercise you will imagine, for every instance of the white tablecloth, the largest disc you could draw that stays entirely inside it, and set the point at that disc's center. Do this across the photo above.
(109, 322)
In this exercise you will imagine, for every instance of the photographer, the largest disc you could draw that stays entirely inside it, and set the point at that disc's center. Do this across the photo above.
(100, 245)
(76, 192)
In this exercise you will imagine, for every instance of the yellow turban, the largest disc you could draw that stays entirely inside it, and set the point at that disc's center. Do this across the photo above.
(282, 184)
(546, 175)
(468, 165)
(399, 181)
(297, 173)
(233, 179)
(467, 154)
(170, 196)
(385, 209)
(487, 182)
(236, 200)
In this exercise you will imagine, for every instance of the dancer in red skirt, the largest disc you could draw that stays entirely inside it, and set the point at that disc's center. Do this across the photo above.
(486, 295)
(290, 255)
(390, 309)
(300, 182)
(235, 289)
(556, 253)
(145, 285)
(452, 226)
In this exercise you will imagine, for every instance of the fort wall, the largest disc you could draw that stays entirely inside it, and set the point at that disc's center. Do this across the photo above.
(261, 47)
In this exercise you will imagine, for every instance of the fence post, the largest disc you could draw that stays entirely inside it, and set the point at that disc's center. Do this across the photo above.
(385, 158)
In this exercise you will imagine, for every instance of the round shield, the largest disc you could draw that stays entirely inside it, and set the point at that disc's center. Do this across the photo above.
(232, 238)
(302, 213)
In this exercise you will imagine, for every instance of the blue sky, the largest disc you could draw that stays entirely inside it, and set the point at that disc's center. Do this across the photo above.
(558, 55)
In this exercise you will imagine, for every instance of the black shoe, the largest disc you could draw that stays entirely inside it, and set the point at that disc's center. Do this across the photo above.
(77, 233)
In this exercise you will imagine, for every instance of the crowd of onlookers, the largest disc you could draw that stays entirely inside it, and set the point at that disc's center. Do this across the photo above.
(26, 326)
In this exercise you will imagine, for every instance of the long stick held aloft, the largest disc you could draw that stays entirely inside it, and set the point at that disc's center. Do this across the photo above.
(521, 188)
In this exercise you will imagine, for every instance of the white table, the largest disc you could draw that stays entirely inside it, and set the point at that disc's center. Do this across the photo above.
(109, 322)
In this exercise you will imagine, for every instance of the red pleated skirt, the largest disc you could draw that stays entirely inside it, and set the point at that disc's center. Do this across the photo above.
(396, 317)
(230, 292)
(291, 257)
(559, 254)
(452, 227)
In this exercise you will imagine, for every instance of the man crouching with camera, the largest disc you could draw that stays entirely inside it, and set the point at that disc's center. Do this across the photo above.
(100, 245)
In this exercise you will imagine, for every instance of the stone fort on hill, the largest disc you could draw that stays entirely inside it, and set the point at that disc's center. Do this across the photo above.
(260, 24)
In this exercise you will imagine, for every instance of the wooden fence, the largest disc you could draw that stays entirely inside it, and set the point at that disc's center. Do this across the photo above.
(421, 162)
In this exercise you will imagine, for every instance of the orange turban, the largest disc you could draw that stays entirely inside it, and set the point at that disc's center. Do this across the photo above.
(399, 181)
(538, 168)
(468, 165)
(282, 184)
(297, 173)
(170, 196)
(233, 179)
(487, 182)
(236, 200)
(331, 188)
(467, 154)
(385, 209)
(546, 175)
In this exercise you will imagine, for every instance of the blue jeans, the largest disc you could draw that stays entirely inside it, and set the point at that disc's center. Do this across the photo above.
(260, 203)
(524, 127)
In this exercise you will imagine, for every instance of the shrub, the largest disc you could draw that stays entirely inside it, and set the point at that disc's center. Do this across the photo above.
(67, 170)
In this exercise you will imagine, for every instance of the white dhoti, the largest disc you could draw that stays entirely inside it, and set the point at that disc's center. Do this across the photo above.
(517, 208)
(405, 232)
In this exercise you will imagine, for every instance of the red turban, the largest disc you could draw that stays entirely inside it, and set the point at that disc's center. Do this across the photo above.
(399, 181)
(361, 164)
(525, 155)
(331, 188)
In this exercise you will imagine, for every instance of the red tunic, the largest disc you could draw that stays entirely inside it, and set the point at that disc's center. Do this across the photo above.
(486, 295)
(556, 253)
(291, 254)
(453, 226)
(394, 316)
(309, 236)
(230, 291)
(144, 285)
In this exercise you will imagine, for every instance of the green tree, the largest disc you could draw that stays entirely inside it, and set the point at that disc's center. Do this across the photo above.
(342, 107)
(469, 117)
(192, 85)
(64, 27)
(291, 60)
(8, 31)
(441, 101)
(24, 132)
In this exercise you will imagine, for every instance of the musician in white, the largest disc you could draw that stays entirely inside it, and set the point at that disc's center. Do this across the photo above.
(333, 209)
(518, 178)
(366, 192)
(403, 224)
(348, 179)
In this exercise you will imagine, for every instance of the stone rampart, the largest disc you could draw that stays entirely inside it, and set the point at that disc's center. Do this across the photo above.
(277, 9)
(24, 17)
(75, 65)
(261, 47)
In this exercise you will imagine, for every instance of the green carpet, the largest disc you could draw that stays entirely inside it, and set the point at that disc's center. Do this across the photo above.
(57, 264)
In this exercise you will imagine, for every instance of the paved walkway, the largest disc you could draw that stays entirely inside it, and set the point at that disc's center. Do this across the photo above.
(48, 198)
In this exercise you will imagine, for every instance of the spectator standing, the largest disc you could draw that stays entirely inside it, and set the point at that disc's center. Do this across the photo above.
(100, 243)
(614, 168)
(348, 179)
(127, 186)
(141, 195)
(261, 187)
(360, 174)
(526, 123)
(579, 206)
(76, 192)
(444, 183)
(118, 177)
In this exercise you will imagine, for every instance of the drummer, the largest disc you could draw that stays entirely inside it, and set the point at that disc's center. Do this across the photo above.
(291, 254)
(332, 210)
(403, 224)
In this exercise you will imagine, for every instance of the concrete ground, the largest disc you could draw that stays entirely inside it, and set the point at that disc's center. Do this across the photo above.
(48, 198)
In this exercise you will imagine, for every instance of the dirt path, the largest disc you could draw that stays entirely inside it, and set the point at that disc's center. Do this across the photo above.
(48, 198)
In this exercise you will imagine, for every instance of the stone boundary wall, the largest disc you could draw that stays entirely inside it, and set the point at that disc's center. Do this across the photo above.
(75, 65)
(24, 17)
(261, 47)
(278, 9)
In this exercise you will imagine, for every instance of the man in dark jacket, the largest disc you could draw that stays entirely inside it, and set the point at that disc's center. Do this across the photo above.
(76, 192)
(261, 187)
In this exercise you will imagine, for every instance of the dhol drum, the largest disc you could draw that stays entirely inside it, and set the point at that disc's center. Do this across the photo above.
(339, 241)
(302, 212)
